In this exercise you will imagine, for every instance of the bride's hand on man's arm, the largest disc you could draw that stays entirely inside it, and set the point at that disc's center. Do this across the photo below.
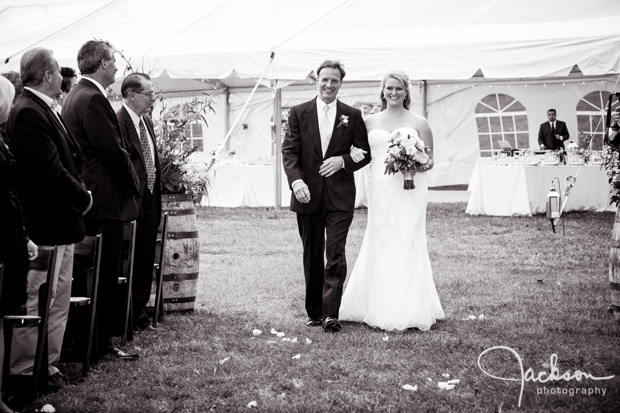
(357, 154)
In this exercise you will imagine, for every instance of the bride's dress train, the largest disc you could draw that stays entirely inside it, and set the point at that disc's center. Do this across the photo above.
(391, 286)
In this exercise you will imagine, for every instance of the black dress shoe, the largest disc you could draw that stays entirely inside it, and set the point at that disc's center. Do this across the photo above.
(313, 322)
(331, 325)
(128, 356)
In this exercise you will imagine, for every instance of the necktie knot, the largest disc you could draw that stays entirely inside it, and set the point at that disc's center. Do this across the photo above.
(148, 157)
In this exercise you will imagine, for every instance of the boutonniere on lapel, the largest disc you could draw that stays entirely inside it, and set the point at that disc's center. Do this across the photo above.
(344, 121)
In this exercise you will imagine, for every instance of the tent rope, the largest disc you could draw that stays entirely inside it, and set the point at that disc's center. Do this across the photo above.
(60, 30)
(245, 105)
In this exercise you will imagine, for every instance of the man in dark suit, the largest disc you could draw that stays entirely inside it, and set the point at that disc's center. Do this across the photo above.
(553, 133)
(53, 196)
(137, 128)
(108, 172)
(319, 168)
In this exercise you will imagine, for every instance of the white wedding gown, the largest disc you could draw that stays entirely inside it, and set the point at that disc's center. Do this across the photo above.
(391, 286)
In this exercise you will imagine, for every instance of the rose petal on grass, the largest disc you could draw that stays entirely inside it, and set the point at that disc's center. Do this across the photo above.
(256, 332)
(429, 379)
(197, 372)
(252, 404)
(454, 381)
(47, 408)
(280, 334)
(274, 331)
(297, 357)
(481, 317)
(308, 341)
(294, 340)
(410, 387)
(386, 338)
(446, 375)
(285, 339)
(472, 317)
(224, 360)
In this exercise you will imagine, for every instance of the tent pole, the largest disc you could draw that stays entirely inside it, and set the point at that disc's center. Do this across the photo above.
(277, 129)
(424, 88)
(227, 119)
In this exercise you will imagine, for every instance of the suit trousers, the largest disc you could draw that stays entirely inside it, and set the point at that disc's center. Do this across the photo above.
(146, 240)
(25, 339)
(324, 236)
(110, 270)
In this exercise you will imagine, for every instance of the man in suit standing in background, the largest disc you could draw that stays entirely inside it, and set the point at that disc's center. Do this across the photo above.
(137, 128)
(53, 196)
(108, 172)
(553, 133)
(319, 168)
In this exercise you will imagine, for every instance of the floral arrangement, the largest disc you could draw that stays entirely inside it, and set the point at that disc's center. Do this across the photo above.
(180, 171)
(405, 152)
(344, 121)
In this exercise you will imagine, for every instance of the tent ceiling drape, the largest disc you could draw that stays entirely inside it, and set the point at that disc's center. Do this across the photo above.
(439, 39)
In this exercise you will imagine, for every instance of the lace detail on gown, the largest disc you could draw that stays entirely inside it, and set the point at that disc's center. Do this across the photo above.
(391, 285)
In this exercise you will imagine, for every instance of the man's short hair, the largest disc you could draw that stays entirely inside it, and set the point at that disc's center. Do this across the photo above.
(551, 110)
(34, 63)
(333, 64)
(133, 82)
(90, 55)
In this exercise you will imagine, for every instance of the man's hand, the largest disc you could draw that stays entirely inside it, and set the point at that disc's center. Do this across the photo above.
(331, 165)
(357, 154)
(559, 137)
(301, 191)
(542, 147)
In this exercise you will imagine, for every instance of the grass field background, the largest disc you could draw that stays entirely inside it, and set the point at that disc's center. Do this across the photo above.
(540, 293)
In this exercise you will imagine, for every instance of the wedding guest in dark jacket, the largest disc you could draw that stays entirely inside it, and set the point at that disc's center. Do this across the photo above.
(137, 127)
(15, 246)
(53, 196)
(108, 172)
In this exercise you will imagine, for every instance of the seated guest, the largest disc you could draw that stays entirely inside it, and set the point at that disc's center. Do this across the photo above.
(16, 80)
(53, 196)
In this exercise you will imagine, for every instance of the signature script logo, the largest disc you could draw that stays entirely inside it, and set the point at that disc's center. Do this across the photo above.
(542, 376)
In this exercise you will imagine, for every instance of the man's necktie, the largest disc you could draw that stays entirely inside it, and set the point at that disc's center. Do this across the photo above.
(553, 129)
(325, 129)
(148, 157)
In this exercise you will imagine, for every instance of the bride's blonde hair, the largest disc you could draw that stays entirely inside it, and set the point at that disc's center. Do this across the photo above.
(402, 78)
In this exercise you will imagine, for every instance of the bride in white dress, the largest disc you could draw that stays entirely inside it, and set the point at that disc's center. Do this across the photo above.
(391, 286)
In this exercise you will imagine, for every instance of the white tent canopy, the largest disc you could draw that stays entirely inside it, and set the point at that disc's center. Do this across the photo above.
(543, 53)
(435, 39)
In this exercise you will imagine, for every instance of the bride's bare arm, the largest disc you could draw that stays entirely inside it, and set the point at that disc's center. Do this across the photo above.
(426, 135)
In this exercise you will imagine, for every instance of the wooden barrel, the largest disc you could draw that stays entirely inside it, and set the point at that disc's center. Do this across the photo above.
(614, 267)
(181, 257)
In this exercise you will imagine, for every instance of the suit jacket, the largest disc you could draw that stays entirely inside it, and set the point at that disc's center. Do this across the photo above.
(108, 171)
(137, 155)
(49, 164)
(545, 137)
(302, 155)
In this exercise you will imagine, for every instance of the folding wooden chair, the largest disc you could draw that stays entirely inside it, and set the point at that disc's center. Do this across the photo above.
(158, 312)
(86, 269)
(46, 260)
(126, 280)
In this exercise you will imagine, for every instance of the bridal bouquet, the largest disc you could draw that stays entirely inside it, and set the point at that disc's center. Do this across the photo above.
(405, 152)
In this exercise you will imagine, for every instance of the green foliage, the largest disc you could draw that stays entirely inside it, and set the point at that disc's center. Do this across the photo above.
(175, 147)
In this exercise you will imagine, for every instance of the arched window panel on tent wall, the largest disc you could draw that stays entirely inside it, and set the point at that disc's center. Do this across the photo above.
(501, 117)
(591, 112)
(193, 131)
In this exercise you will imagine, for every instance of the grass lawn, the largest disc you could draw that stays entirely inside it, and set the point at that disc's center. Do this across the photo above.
(542, 294)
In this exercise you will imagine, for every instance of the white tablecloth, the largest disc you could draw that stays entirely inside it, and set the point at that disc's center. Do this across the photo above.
(246, 185)
(522, 190)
